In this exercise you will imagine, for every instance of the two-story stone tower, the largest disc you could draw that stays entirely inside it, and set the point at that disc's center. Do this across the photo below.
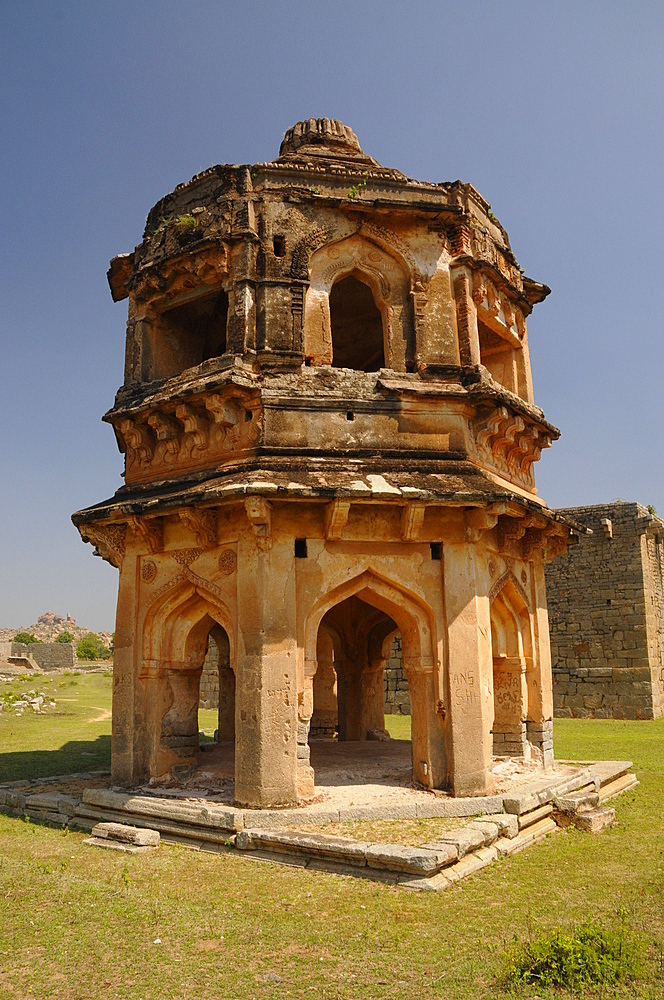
(329, 429)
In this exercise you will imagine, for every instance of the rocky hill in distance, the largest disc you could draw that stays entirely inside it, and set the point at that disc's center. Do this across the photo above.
(49, 626)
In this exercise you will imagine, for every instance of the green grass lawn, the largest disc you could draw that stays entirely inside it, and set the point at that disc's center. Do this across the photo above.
(78, 922)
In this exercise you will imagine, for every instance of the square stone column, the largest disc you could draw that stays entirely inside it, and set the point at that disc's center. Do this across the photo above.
(540, 687)
(124, 767)
(266, 673)
(470, 671)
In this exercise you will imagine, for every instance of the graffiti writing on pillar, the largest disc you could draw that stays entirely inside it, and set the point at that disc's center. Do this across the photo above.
(463, 688)
(507, 689)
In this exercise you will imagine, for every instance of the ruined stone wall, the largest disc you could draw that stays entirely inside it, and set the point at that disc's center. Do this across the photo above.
(653, 558)
(395, 685)
(606, 616)
(47, 655)
(209, 689)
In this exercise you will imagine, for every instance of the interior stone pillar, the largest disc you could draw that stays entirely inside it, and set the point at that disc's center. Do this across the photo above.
(373, 699)
(470, 670)
(430, 763)
(540, 680)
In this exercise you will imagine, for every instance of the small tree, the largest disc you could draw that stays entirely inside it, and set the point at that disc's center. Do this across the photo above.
(92, 648)
(25, 637)
(65, 637)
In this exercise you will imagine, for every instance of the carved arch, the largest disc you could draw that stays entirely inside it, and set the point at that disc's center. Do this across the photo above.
(500, 584)
(389, 278)
(413, 617)
(303, 250)
(179, 619)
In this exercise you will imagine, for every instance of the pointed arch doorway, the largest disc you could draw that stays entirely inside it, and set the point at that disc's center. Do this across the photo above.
(351, 630)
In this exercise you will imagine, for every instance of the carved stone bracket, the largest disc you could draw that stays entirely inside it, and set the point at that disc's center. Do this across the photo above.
(260, 518)
(509, 529)
(507, 443)
(412, 519)
(203, 525)
(479, 520)
(108, 540)
(336, 518)
(203, 430)
(150, 531)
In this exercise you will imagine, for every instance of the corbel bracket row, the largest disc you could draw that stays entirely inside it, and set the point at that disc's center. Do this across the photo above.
(337, 513)
(517, 530)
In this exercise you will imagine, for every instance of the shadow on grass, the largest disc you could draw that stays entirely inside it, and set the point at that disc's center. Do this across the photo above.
(72, 758)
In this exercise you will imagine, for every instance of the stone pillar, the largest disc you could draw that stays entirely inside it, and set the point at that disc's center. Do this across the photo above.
(509, 702)
(226, 724)
(466, 311)
(124, 768)
(430, 763)
(349, 695)
(324, 720)
(540, 683)
(373, 702)
(266, 696)
(470, 672)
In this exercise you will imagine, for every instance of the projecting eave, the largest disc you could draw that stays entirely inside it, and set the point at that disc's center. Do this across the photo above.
(454, 484)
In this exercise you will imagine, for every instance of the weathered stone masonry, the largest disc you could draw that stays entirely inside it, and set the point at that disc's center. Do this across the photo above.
(330, 435)
(606, 615)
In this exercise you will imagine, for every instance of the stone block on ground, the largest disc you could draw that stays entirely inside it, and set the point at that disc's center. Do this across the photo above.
(125, 834)
(595, 820)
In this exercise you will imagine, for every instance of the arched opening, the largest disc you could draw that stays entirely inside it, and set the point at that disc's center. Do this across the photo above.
(178, 631)
(512, 659)
(186, 335)
(217, 687)
(352, 630)
(357, 326)
(498, 357)
(351, 637)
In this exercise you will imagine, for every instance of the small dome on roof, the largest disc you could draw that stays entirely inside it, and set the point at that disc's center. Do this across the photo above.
(332, 135)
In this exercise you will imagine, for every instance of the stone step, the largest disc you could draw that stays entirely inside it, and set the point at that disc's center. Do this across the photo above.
(606, 771)
(353, 853)
(86, 817)
(535, 815)
(618, 785)
(576, 801)
(141, 836)
(595, 820)
(209, 815)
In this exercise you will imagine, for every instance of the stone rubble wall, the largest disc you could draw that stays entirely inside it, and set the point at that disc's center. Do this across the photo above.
(47, 655)
(606, 616)
(395, 685)
(209, 689)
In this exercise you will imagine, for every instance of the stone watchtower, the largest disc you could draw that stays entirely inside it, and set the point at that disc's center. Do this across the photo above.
(329, 429)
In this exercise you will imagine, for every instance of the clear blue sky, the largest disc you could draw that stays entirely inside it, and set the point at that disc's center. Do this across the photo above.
(552, 110)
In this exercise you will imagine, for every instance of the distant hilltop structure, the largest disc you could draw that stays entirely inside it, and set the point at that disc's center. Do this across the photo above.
(52, 619)
(49, 626)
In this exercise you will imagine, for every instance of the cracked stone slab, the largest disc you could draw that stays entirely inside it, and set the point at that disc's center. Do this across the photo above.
(417, 860)
(464, 841)
(350, 852)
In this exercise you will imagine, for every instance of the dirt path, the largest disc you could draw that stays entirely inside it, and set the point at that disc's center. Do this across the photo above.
(104, 714)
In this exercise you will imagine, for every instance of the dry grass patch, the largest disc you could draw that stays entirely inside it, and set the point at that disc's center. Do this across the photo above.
(411, 832)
